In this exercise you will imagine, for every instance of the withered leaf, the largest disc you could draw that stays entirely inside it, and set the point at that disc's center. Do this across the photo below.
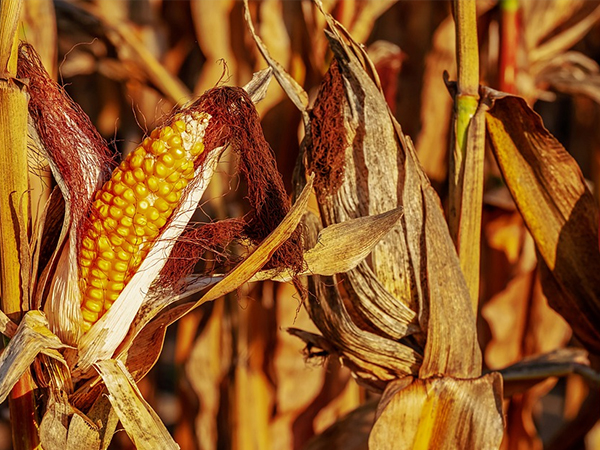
(558, 363)
(416, 262)
(351, 432)
(54, 424)
(441, 413)
(95, 429)
(559, 211)
(141, 423)
(31, 338)
(340, 247)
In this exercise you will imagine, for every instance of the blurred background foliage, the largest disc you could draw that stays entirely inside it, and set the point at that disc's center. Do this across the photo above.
(229, 375)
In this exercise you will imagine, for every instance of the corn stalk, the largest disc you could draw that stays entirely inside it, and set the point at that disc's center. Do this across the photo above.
(466, 158)
(14, 212)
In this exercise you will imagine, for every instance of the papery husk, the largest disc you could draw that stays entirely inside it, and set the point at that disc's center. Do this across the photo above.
(440, 413)
(141, 423)
(55, 423)
(93, 431)
(558, 208)
(341, 247)
(31, 338)
(415, 259)
(80, 161)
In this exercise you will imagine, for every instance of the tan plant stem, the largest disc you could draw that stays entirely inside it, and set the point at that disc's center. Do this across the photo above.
(23, 419)
(466, 158)
(14, 212)
(508, 45)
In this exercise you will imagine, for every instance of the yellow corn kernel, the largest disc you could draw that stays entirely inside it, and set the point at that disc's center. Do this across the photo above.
(132, 208)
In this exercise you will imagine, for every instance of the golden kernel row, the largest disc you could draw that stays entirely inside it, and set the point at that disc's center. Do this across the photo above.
(128, 214)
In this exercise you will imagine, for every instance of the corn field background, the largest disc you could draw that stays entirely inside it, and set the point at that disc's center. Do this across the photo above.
(268, 366)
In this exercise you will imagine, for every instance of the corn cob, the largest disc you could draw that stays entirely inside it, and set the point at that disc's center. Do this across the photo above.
(130, 210)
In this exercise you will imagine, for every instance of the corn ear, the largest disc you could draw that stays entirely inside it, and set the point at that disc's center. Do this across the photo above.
(130, 210)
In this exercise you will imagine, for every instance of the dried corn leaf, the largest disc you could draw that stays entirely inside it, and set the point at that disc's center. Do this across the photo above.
(441, 413)
(436, 104)
(301, 389)
(417, 262)
(341, 247)
(557, 207)
(141, 423)
(294, 91)
(95, 429)
(587, 17)
(31, 338)
(558, 363)
(206, 373)
(572, 73)
(55, 423)
(131, 48)
(212, 25)
(82, 434)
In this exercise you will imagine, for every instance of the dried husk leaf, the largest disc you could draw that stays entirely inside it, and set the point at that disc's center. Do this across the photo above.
(441, 413)
(95, 429)
(420, 252)
(558, 209)
(55, 423)
(82, 434)
(79, 159)
(141, 423)
(289, 85)
(371, 357)
(341, 247)
(416, 262)
(31, 338)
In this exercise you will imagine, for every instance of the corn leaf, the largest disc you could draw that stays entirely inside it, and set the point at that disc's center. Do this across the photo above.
(341, 247)
(141, 423)
(55, 423)
(440, 413)
(558, 209)
(558, 363)
(31, 338)
(94, 430)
